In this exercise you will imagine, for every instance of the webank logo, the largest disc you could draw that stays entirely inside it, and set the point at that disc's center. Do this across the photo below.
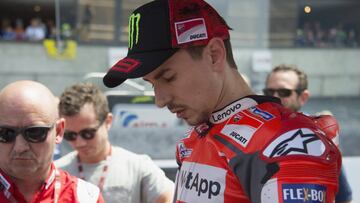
(200, 183)
(303, 193)
(134, 21)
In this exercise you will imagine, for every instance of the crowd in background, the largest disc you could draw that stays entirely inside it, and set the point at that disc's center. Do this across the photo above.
(314, 35)
(311, 34)
(36, 30)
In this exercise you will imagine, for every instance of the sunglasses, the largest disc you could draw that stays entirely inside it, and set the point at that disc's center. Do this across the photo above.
(33, 134)
(282, 92)
(87, 134)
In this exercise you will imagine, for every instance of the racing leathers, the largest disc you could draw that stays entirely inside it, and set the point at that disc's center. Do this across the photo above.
(255, 150)
(59, 187)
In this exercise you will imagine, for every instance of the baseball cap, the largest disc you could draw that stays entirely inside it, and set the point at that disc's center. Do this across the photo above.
(158, 29)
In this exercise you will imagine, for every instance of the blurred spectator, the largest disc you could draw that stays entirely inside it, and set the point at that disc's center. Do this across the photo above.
(300, 38)
(8, 33)
(35, 31)
(66, 31)
(19, 30)
(85, 23)
(50, 29)
(351, 39)
(340, 36)
(314, 35)
(5, 29)
(319, 35)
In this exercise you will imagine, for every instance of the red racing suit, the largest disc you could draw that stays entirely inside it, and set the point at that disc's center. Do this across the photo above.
(255, 150)
(71, 190)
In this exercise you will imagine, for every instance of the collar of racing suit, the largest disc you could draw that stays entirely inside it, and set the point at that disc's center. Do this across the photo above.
(232, 109)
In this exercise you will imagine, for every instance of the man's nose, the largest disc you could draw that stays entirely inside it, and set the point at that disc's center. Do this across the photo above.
(79, 141)
(276, 94)
(21, 145)
(162, 97)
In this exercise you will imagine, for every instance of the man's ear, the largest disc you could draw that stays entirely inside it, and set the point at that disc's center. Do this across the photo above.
(60, 129)
(217, 53)
(304, 97)
(108, 120)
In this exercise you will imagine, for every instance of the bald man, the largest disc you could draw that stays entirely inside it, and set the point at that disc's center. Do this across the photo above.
(29, 130)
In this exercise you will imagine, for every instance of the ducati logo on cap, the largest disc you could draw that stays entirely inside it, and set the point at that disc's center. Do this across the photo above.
(134, 20)
(190, 30)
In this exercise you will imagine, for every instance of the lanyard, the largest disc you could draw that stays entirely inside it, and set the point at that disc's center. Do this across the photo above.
(104, 170)
(5, 186)
(57, 186)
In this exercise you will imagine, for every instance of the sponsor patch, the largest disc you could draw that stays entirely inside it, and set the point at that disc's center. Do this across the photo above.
(183, 151)
(263, 114)
(126, 65)
(200, 183)
(203, 129)
(231, 109)
(303, 193)
(301, 141)
(190, 30)
(4, 183)
(237, 118)
(241, 131)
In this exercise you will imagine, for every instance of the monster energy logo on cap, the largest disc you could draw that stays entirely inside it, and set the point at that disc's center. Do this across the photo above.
(134, 20)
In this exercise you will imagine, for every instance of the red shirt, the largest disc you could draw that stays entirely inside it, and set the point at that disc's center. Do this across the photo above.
(72, 190)
(255, 150)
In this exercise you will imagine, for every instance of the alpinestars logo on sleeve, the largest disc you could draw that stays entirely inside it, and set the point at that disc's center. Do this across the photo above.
(134, 20)
(296, 142)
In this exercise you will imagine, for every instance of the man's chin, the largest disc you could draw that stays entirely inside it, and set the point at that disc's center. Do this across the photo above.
(23, 172)
(194, 122)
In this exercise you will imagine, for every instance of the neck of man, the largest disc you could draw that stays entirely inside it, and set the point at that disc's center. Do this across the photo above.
(100, 156)
(30, 184)
(235, 87)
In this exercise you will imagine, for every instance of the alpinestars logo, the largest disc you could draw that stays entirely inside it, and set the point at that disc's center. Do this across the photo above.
(296, 142)
(134, 20)
(200, 183)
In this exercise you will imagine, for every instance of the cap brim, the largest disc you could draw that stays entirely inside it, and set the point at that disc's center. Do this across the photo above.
(135, 66)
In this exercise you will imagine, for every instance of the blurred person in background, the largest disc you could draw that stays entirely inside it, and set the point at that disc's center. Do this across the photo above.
(290, 84)
(243, 147)
(19, 30)
(35, 31)
(29, 129)
(122, 176)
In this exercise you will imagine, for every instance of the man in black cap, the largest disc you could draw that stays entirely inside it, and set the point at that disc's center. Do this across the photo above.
(244, 147)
